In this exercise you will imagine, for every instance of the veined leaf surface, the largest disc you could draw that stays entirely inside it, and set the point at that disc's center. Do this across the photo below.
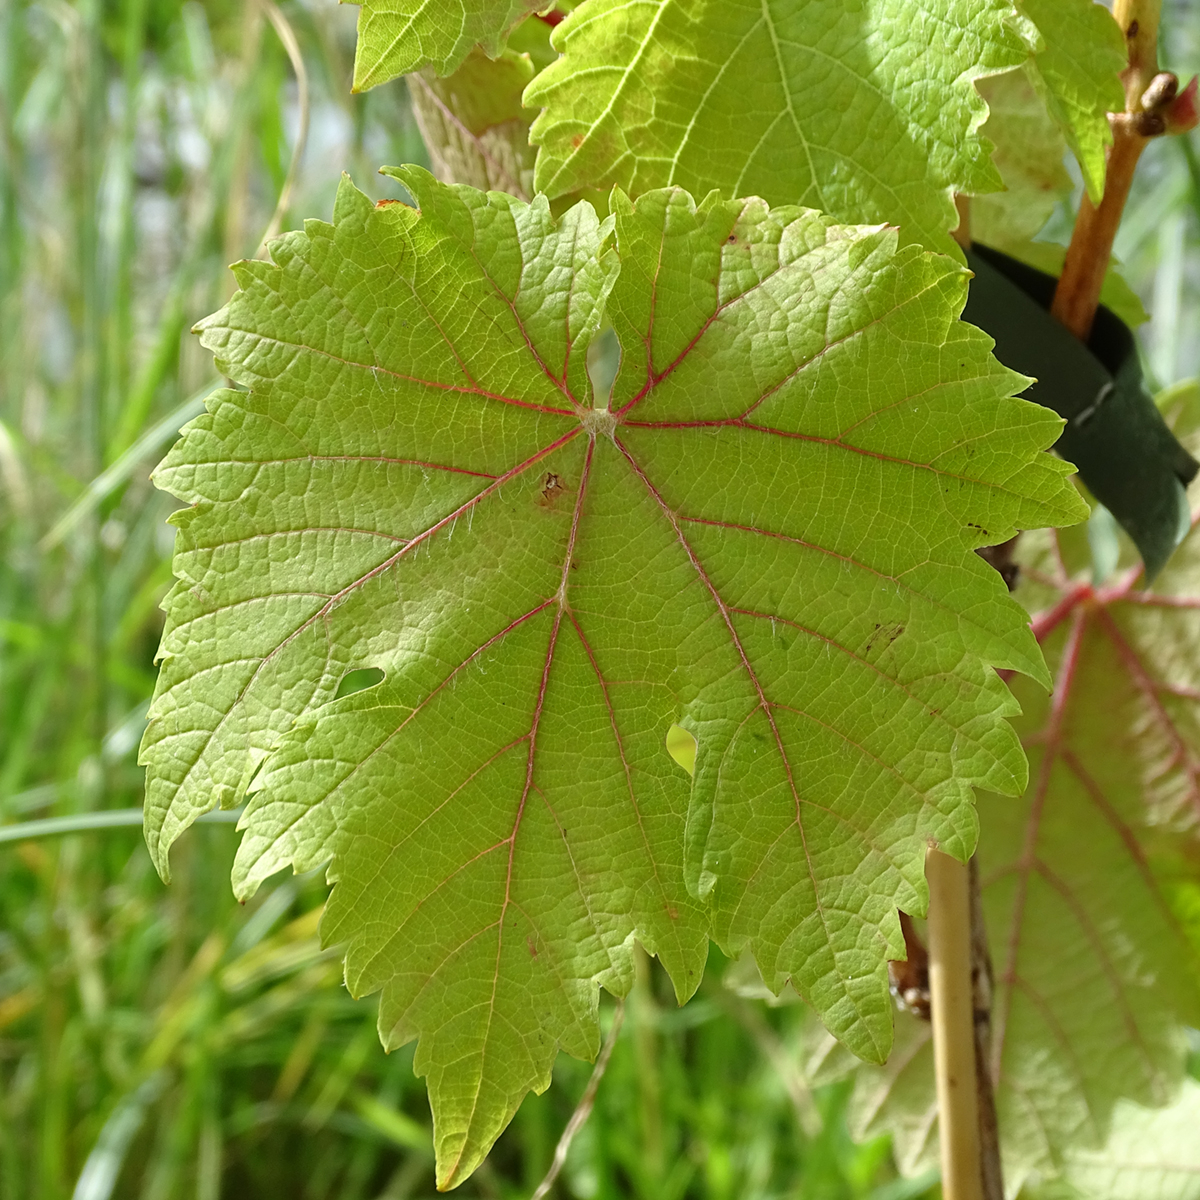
(399, 36)
(765, 537)
(473, 122)
(1029, 149)
(1078, 71)
(865, 111)
(1152, 1154)
(1095, 976)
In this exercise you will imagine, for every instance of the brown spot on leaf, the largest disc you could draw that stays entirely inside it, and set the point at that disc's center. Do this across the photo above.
(387, 203)
(672, 912)
(553, 491)
(577, 141)
(883, 636)
(532, 947)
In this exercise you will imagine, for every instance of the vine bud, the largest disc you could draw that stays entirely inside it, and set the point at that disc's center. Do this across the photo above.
(1183, 113)
(1150, 124)
(1162, 89)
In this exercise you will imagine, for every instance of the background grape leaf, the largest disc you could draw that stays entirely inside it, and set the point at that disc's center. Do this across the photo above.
(1077, 72)
(1029, 152)
(842, 107)
(1152, 1154)
(1029, 149)
(1095, 975)
(399, 36)
(473, 121)
(765, 539)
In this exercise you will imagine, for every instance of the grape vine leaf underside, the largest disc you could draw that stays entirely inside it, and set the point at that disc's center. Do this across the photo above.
(765, 538)
(1095, 977)
(1028, 151)
(399, 36)
(1152, 1154)
(473, 121)
(1078, 70)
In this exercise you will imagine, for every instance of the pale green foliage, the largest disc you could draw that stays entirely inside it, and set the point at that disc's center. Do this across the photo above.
(474, 125)
(1077, 72)
(839, 106)
(473, 121)
(1028, 152)
(1086, 949)
(399, 36)
(766, 539)
(1094, 976)
(1153, 1154)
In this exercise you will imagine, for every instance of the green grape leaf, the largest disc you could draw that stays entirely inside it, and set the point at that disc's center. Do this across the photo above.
(396, 37)
(838, 106)
(473, 123)
(763, 538)
(1078, 72)
(1151, 1154)
(1029, 152)
(1096, 977)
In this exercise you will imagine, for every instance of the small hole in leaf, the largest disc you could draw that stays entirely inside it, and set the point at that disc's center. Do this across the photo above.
(681, 746)
(357, 681)
(603, 361)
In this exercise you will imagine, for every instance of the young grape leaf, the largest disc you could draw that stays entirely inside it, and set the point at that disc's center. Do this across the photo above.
(473, 124)
(399, 36)
(1152, 1154)
(1095, 978)
(1078, 73)
(764, 538)
(865, 111)
(1029, 152)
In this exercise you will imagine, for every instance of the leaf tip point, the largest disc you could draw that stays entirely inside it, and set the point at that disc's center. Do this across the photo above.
(158, 856)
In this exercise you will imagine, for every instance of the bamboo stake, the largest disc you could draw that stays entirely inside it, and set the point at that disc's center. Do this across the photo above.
(953, 1016)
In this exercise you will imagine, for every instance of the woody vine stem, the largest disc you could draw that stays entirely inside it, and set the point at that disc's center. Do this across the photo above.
(1154, 105)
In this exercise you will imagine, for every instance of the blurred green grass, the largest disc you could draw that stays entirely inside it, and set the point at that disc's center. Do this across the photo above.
(162, 1043)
